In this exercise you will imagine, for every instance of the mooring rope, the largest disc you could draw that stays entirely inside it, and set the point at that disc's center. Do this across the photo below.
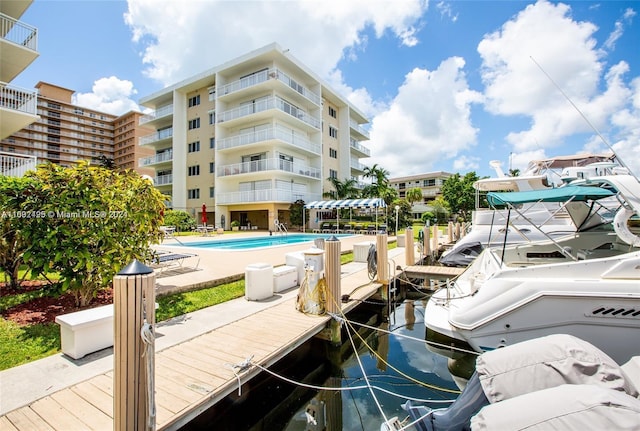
(242, 366)
(148, 338)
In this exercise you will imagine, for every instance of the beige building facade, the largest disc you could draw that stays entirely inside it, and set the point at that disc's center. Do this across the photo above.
(248, 138)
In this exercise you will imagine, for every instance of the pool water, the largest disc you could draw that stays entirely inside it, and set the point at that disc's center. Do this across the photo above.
(249, 243)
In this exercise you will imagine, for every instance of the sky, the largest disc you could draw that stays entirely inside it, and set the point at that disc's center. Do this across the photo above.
(447, 85)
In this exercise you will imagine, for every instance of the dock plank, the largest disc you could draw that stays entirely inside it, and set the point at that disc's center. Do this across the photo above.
(58, 416)
(6, 425)
(86, 412)
(26, 419)
(96, 396)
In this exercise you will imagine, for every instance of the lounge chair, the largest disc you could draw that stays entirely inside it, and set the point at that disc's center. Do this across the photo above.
(170, 260)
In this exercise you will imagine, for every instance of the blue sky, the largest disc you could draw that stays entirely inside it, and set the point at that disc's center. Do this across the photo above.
(446, 85)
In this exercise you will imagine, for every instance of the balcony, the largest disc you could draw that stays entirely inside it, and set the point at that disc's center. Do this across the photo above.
(361, 131)
(357, 166)
(18, 44)
(265, 165)
(158, 114)
(279, 133)
(156, 138)
(15, 165)
(156, 159)
(264, 105)
(163, 180)
(18, 109)
(268, 195)
(272, 75)
(360, 149)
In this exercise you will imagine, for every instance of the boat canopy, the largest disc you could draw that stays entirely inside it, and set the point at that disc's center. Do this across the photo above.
(347, 203)
(560, 194)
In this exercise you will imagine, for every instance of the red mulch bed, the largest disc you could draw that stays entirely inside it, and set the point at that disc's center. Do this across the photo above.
(45, 309)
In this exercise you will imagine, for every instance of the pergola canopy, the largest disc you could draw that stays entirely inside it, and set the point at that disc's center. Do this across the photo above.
(347, 203)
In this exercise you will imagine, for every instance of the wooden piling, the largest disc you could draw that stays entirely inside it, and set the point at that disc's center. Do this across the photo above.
(434, 239)
(334, 289)
(427, 241)
(382, 265)
(134, 305)
(450, 232)
(409, 251)
(457, 231)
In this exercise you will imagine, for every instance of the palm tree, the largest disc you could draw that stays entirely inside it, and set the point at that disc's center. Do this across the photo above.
(380, 183)
(413, 195)
(343, 189)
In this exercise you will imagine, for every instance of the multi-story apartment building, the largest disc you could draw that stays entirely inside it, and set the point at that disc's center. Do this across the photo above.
(251, 136)
(430, 184)
(65, 133)
(18, 48)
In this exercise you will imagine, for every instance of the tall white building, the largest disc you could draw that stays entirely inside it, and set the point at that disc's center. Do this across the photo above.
(251, 136)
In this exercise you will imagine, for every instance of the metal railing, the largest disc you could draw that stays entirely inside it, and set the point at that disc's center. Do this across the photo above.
(158, 136)
(166, 156)
(16, 165)
(277, 132)
(158, 113)
(356, 145)
(18, 99)
(359, 128)
(266, 104)
(273, 164)
(267, 195)
(163, 180)
(18, 32)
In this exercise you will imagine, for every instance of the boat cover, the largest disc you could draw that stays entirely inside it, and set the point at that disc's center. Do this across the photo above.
(560, 194)
(546, 362)
(564, 407)
(347, 203)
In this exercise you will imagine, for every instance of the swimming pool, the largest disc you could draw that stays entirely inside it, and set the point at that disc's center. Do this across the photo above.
(259, 241)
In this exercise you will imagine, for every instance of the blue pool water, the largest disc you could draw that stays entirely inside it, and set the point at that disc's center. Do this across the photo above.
(259, 241)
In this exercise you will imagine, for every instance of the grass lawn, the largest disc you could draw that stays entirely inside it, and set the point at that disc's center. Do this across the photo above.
(22, 344)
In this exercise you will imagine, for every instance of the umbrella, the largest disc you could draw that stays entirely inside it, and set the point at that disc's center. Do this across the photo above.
(204, 214)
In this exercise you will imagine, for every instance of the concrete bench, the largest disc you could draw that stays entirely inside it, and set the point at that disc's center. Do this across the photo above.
(361, 251)
(86, 331)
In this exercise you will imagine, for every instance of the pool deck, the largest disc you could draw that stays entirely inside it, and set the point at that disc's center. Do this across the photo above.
(39, 383)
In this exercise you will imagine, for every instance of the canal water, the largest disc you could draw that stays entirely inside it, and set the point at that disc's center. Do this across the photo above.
(391, 355)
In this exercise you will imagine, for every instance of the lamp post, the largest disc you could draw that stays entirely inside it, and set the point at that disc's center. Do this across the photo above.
(397, 209)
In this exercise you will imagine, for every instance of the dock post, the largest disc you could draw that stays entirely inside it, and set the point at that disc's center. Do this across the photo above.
(409, 251)
(382, 265)
(450, 232)
(427, 241)
(334, 289)
(134, 310)
(457, 231)
(435, 240)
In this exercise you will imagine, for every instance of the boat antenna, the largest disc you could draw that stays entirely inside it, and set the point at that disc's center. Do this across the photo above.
(624, 165)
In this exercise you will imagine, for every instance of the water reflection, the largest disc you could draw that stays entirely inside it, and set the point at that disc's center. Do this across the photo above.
(390, 349)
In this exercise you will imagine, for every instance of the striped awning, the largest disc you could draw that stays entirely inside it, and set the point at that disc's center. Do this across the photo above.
(347, 203)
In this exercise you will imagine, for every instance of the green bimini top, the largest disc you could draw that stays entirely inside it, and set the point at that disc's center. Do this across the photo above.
(560, 194)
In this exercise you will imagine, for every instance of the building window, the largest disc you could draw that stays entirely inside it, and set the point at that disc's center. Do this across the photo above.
(333, 153)
(212, 117)
(212, 94)
(212, 143)
(194, 170)
(212, 167)
(194, 101)
(332, 112)
(333, 174)
(193, 147)
(333, 132)
(212, 192)
(429, 182)
(194, 124)
(193, 194)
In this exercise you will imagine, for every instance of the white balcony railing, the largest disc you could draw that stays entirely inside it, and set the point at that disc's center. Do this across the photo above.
(158, 113)
(268, 195)
(266, 104)
(166, 156)
(357, 127)
(16, 165)
(18, 99)
(277, 132)
(163, 180)
(158, 136)
(268, 165)
(357, 165)
(361, 148)
(18, 32)
(264, 76)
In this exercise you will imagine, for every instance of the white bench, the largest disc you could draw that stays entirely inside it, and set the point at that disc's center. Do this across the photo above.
(86, 331)
(361, 251)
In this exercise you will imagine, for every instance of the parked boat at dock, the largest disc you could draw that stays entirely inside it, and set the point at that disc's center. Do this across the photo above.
(490, 226)
(585, 284)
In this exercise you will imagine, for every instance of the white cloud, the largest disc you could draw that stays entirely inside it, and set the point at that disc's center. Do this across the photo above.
(110, 95)
(567, 52)
(429, 120)
(628, 15)
(180, 38)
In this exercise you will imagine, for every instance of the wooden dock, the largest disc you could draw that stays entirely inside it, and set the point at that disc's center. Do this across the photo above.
(192, 376)
(426, 272)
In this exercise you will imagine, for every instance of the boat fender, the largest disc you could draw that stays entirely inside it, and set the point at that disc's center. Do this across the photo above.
(622, 229)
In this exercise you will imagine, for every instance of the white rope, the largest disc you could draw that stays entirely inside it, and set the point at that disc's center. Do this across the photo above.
(242, 366)
(350, 388)
(341, 320)
(148, 338)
